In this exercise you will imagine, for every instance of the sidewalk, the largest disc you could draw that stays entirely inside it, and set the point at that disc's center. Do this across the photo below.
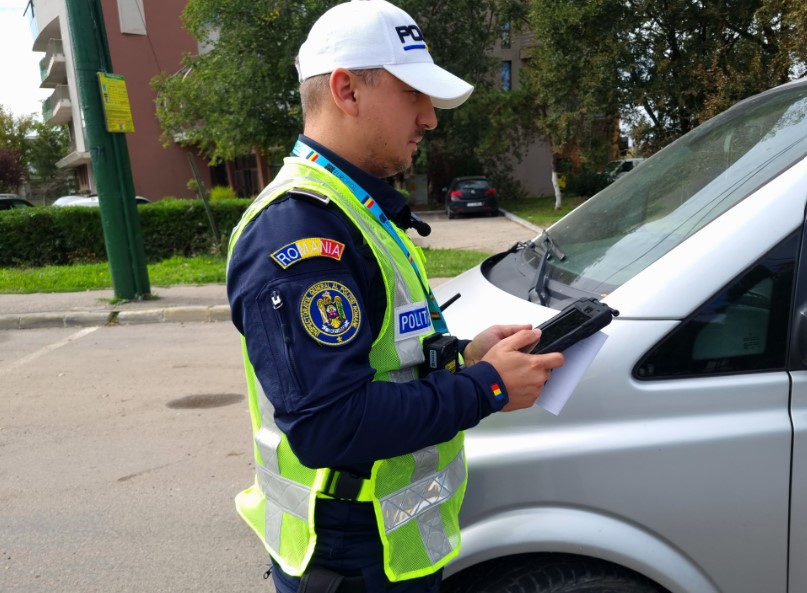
(91, 308)
(174, 304)
(180, 304)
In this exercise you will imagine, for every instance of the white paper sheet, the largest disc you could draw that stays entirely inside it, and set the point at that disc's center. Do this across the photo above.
(562, 382)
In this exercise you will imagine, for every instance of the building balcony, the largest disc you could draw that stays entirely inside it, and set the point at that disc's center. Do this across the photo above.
(57, 108)
(53, 67)
(75, 159)
(43, 20)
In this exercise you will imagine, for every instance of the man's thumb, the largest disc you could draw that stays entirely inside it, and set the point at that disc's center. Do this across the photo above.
(523, 338)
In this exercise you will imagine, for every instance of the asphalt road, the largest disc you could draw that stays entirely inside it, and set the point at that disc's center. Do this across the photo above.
(121, 449)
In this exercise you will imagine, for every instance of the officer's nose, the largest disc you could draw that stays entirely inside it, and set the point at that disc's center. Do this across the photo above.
(427, 118)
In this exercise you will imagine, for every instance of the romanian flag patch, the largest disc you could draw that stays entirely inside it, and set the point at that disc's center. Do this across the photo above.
(497, 391)
(305, 248)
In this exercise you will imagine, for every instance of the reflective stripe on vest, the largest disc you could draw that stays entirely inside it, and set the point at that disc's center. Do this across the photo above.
(421, 501)
(282, 495)
(410, 491)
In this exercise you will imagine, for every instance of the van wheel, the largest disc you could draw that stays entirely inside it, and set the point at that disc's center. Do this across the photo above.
(549, 573)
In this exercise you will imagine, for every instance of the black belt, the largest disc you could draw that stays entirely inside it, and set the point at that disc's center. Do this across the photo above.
(321, 580)
(343, 485)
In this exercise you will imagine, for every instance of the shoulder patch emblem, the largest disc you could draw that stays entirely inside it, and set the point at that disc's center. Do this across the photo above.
(306, 248)
(330, 313)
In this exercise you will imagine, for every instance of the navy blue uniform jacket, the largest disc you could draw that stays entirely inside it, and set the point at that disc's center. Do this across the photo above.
(325, 401)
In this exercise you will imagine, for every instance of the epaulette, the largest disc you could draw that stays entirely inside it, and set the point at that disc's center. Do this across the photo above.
(309, 196)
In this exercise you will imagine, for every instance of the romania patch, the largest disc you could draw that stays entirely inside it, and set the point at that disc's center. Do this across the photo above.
(305, 248)
(330, 313)
(497, 391)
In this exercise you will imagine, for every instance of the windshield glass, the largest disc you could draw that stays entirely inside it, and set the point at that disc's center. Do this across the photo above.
(473, 184)
(642, 216)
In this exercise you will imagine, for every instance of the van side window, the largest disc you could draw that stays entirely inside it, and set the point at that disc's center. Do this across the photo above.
(743, 328)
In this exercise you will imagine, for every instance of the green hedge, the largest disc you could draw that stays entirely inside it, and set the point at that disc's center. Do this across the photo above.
(32, 237)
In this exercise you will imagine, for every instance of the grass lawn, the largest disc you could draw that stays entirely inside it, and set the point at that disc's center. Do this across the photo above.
(180, 270)
(80, 277)
(540, 210)
(441, 263)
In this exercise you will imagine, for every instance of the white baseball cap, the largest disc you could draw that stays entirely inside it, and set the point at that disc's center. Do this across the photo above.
(364, 34)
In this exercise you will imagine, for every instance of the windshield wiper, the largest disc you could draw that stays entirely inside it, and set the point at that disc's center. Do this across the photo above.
(539, 284)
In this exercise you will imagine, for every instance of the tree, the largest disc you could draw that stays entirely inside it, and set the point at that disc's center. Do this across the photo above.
(11, 170)
(37, 147)
(45, 147)
(242, 95)
(573, 79)
(664, 67)
(13, 132)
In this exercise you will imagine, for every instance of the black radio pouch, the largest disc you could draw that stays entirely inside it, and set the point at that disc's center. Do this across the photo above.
(441, 352)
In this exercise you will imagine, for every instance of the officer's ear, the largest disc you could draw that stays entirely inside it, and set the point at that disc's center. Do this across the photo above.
(343, 91)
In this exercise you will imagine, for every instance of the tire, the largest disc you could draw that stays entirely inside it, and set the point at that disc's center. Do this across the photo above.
(549, 573)
(451, 215)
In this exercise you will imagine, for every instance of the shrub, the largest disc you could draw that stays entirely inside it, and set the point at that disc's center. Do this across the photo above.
(586, 182)
(36, 237)
(222, 192)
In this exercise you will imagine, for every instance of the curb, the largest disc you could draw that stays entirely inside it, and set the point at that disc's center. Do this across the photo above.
(181, 314)
(521, 221)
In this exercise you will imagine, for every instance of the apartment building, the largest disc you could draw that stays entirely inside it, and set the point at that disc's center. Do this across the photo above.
(534, 171)
(144, 41)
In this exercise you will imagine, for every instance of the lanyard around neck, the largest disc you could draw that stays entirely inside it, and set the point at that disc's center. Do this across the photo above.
(306, 152)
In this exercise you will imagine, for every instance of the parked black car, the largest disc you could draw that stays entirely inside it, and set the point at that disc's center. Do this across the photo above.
(12, 201)
(471, 195)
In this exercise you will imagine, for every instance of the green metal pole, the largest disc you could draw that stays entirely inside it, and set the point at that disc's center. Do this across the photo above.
(109, 154)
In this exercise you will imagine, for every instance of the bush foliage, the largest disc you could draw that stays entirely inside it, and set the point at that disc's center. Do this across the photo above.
(32, 237)
(222, 192)
(586, 182)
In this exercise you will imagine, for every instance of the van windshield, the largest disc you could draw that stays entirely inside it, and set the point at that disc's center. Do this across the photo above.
(640, 217)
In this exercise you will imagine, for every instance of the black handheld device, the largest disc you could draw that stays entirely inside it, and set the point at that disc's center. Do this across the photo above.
(575, 322)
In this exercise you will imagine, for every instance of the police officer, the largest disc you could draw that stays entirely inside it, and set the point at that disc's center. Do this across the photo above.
(360, 470)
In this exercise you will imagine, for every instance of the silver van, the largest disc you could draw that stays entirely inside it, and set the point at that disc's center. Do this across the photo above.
(680, 462)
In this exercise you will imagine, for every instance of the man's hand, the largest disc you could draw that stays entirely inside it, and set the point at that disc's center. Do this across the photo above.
(483, 342)
(523, 374)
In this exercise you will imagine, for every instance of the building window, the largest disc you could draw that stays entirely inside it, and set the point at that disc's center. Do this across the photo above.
(506, 36)
(507, 66)
(245, 173)
(131, 16)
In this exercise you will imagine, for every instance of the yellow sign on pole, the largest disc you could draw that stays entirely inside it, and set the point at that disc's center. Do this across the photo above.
(115, 98)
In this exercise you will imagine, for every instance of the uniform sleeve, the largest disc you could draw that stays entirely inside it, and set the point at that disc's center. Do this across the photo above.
(301, 288)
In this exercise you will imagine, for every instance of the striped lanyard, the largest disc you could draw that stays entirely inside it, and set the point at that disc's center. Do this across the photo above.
(306, 152)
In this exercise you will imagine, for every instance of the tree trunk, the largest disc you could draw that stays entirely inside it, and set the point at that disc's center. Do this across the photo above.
(556, 185)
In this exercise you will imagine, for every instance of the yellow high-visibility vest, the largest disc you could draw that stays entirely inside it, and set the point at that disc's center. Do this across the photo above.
(416, 497)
